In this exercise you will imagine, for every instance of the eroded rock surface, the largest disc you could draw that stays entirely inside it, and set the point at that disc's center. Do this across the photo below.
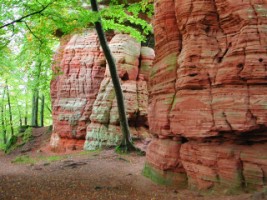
(133, 63)
(208, 92)
(82, 93)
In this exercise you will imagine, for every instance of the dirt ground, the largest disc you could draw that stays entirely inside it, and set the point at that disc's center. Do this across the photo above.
(87, 175)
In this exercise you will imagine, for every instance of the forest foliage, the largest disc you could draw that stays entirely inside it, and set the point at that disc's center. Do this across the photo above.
(30, 32)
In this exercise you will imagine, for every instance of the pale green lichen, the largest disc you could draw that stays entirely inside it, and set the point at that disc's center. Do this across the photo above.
(100, 136)
(72, 104)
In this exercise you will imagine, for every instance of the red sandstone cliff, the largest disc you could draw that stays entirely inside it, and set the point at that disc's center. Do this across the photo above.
(208, 93)
(83, 97)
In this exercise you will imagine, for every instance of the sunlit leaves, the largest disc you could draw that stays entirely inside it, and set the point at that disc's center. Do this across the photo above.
(126, 19)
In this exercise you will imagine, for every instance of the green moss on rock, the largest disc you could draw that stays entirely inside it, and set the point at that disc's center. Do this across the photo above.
(165, 177)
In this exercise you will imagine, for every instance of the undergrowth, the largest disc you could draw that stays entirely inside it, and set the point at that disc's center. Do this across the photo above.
(24, 159)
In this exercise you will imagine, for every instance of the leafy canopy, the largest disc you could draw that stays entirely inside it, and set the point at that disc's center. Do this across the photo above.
(31, 29)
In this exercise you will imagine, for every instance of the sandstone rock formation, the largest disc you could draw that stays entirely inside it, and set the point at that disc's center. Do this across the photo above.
(208, 94)
(79, 70)
(82, 93)
(104, 128)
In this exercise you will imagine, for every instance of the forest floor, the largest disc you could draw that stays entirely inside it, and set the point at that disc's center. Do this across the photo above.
(29, 174)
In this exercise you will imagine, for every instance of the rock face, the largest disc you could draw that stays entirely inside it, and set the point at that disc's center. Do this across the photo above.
(82, 93)
(208, 93)
(133, 64)
(79, 70)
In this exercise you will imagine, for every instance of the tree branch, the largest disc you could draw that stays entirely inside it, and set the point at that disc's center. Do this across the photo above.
(26, 16)
(32, 32)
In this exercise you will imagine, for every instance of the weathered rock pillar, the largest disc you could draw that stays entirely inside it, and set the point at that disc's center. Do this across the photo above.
(208, 93)
(83, 98)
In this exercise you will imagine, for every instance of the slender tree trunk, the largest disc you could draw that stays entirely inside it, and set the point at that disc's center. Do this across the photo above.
(42, 111)
(26, 113)
(3, 117)
(126, 144)
(5, 121)
(20, 117)
(10, 111)
(35, 98)
(35, 108)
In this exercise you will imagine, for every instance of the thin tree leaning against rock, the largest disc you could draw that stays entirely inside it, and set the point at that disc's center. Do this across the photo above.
(126, 144)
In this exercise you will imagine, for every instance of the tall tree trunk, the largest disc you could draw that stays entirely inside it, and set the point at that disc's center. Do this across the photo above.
(26, 113)
(5, 121)
(20, 118)
(19, 110)
(3, 117)
(35, 108)
(35, 98)
(10, 111)
(126, 143)
(42, 111)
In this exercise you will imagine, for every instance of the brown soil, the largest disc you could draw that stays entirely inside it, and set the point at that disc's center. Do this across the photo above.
(94, 175)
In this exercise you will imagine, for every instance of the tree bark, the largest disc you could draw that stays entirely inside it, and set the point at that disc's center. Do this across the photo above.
(26, 113)
(19, 110)
(10, 111)
(126, 143)
(35, 108)
(42, 111)
(3, 117)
